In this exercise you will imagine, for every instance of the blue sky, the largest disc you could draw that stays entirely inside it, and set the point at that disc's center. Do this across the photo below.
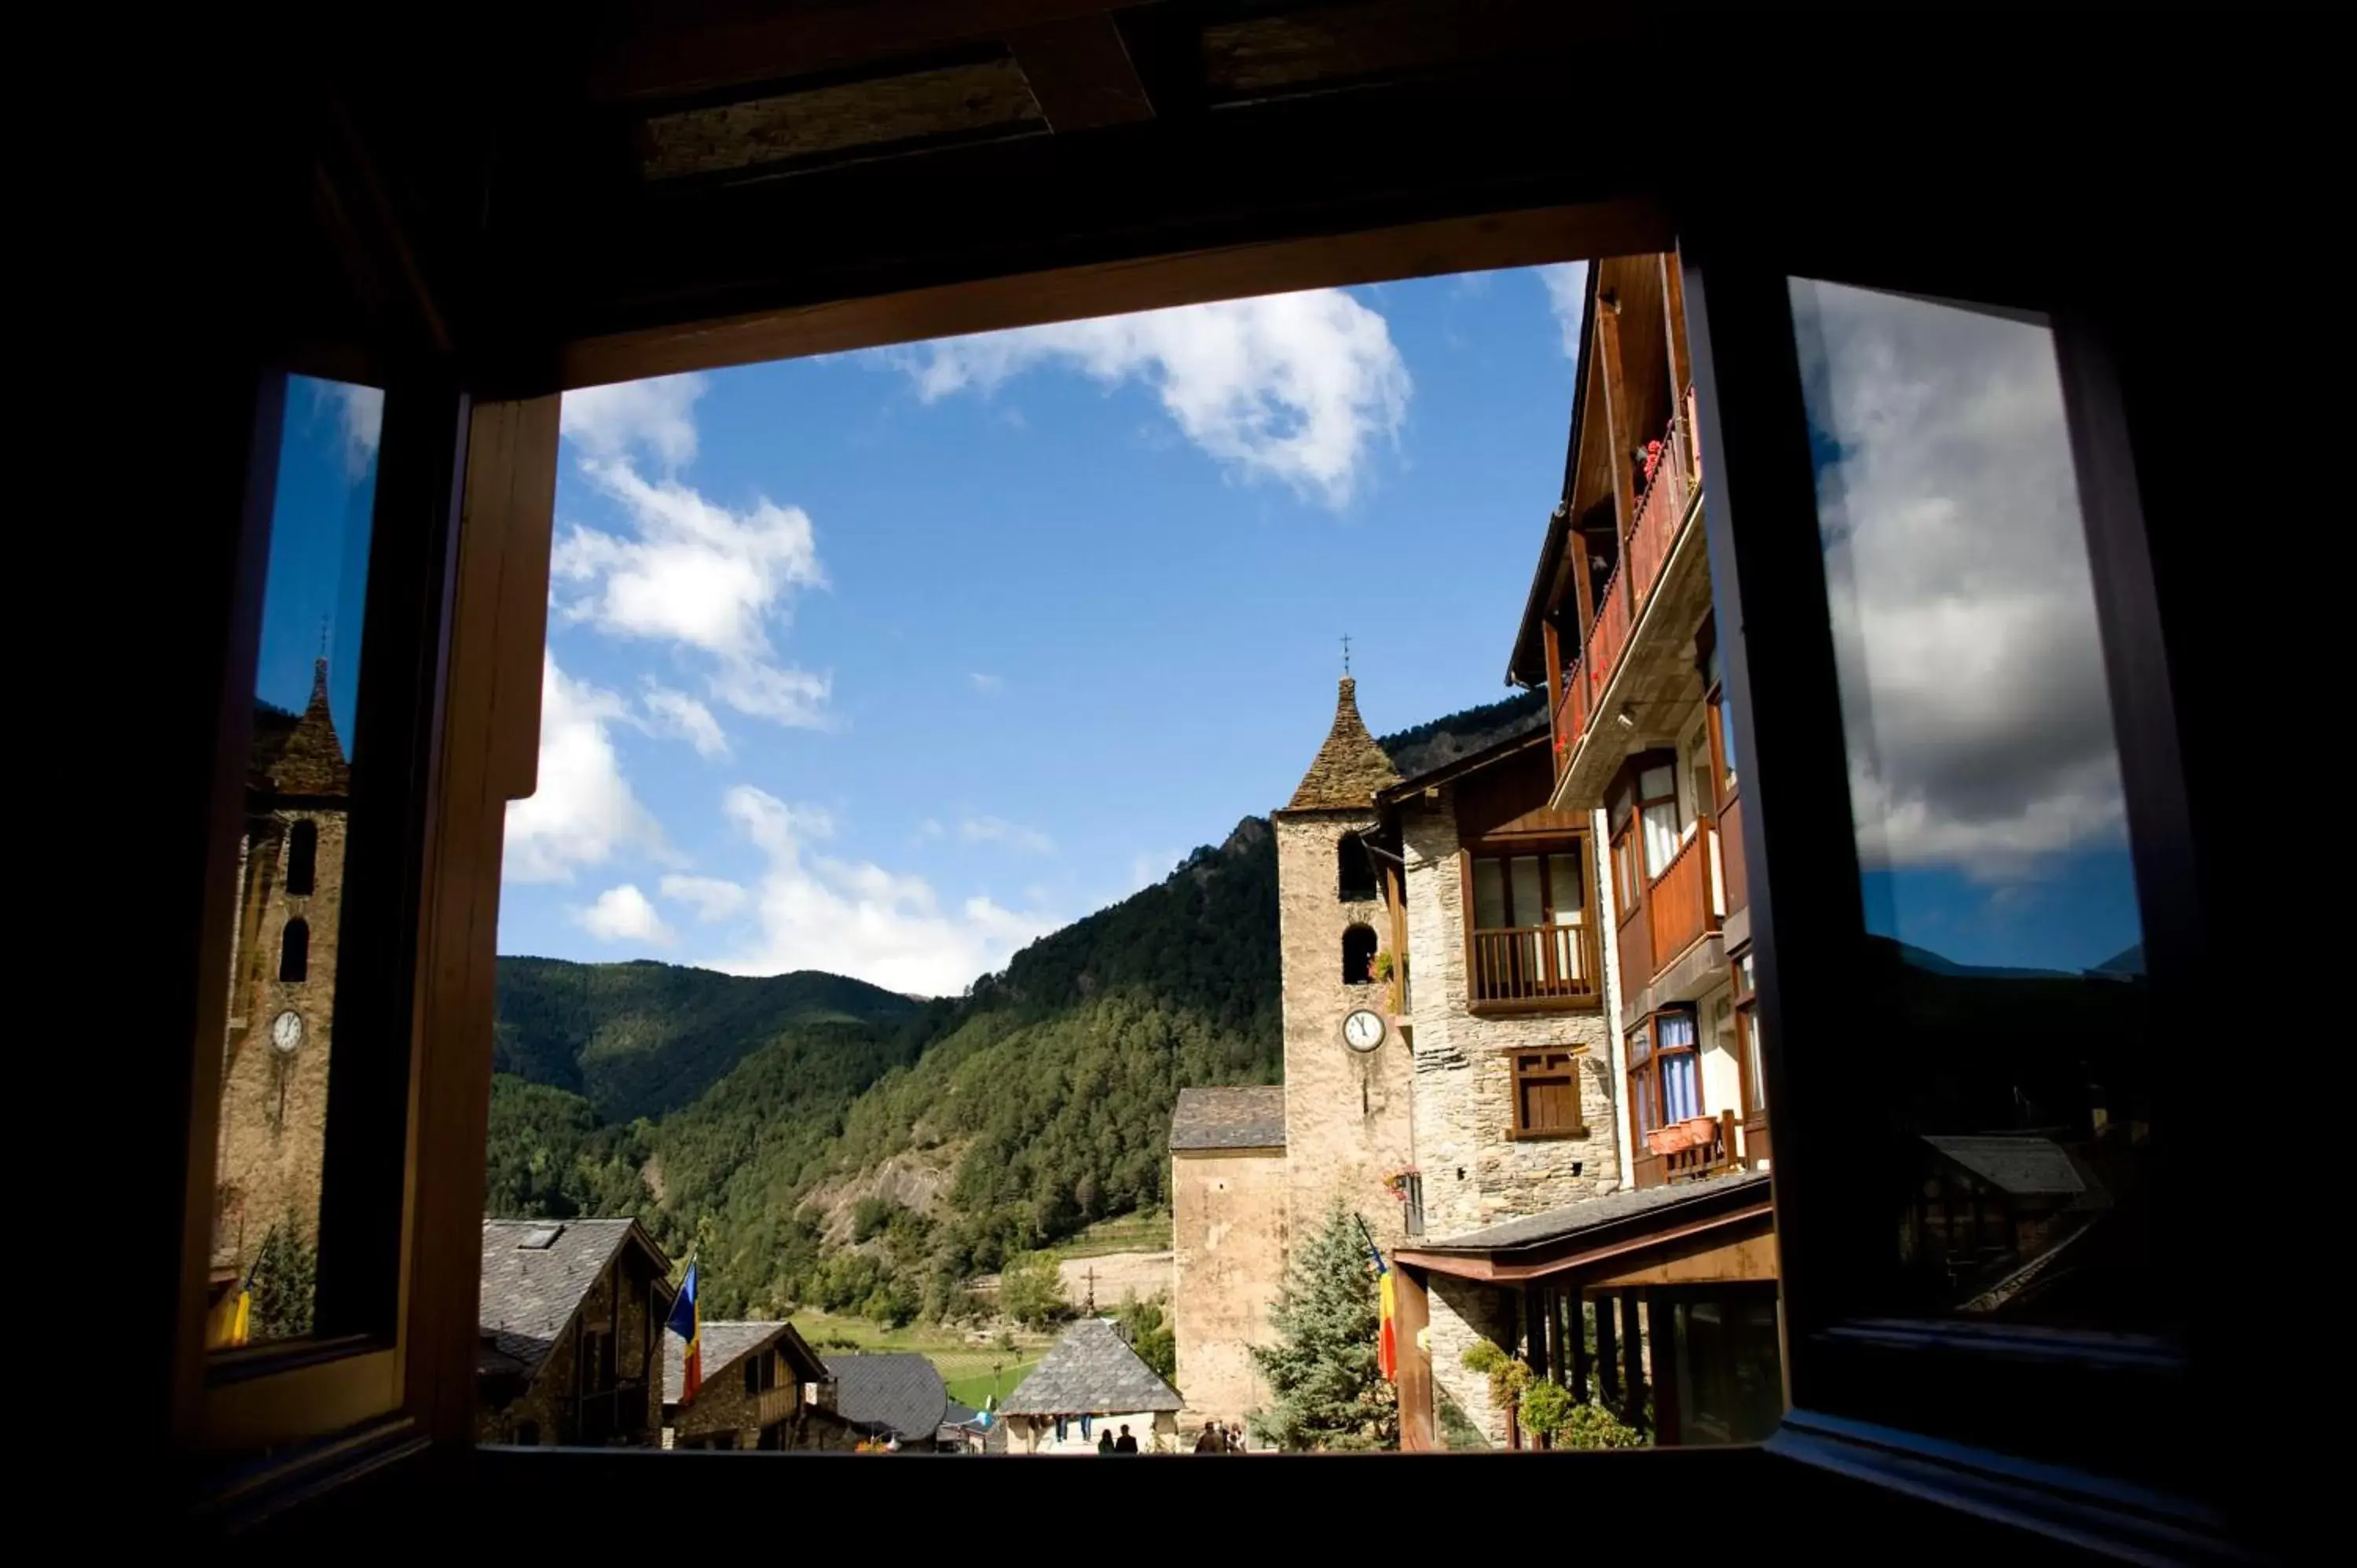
(889, 662)
(886, 664)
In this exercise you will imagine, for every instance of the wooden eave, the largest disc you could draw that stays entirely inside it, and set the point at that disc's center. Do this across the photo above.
(1620, 1243)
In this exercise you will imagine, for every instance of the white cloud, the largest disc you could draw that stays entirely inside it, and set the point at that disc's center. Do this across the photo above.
(988, 685)
(998, 830)
(855, 918)
(699, 575)
(713, 899)
(584, 810)
(1293, 387)
(930, 831)
(359, 415)
(674, 712)
(657, 417)
(1149, 866)
(1974, 694)
(1566, 288)
(623, 915)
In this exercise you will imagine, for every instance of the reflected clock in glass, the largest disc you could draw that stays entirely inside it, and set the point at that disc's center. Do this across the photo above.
(286, 1032)
(1362, 1030)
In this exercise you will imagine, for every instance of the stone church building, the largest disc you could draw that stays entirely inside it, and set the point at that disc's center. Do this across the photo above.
(282, 980)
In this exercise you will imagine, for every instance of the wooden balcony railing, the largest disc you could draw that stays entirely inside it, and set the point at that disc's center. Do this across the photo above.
(1636, 946)
(1683, 905)
(1660, 512)
(1714, 1156)
(1533, 968)
(1571, 713)
(1609, 635)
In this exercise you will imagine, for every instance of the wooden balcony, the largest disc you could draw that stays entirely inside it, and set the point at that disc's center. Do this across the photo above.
(1661, 511)
(1533, 968)
(1571, 713)
(1714, 1155)
(1686, 901)
(1730, 855)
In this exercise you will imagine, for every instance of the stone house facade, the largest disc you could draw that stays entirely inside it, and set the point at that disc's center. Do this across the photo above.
(763, 1387)
(1229, 1198)
(282, 984)
(571, 1351)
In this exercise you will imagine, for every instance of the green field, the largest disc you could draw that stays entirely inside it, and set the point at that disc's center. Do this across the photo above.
(1147, 1230)
(972, 1391)
(959, 1360)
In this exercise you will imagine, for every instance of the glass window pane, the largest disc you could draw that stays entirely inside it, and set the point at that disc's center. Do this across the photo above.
(1564, 887)
(1489, 896)
(1987, 798)
(273, 1086)
(1661, 837)
(1528, 905)
(1657, 783)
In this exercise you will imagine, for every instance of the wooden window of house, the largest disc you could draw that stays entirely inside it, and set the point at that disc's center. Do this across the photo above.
(1546, 1095)
(752, 1375)
(769, 1371)
(1664, 1071)
(1746, 1036)
(1628, 884)
(1657, 808)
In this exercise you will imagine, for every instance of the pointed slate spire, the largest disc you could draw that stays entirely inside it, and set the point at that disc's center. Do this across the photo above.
(1350, 768)
(312, 760)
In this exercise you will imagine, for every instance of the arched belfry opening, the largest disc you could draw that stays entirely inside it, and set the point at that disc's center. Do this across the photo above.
(302, 858)
(1358, 954)
(1354, 868)
(295, 951)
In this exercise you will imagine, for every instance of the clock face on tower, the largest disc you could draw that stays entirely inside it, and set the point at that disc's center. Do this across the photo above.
(286, 1031)
(1362, 1030)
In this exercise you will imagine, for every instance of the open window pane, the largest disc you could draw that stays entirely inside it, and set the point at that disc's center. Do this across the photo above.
(2004, 944)
(298, 788)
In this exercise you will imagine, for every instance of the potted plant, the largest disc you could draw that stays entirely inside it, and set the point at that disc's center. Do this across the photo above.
(1381, 967)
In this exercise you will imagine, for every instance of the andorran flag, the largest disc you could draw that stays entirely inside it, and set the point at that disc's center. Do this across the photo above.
(1387, 1335)
(684, 1323)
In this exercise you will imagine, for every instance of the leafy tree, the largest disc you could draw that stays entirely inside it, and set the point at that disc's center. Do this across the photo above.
(1147, 1328)
(1329, 1393)
(285, 1278)
(1031, 1290)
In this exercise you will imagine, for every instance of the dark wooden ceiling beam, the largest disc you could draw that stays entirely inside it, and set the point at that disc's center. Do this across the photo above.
(1080, 72)
(672, 61)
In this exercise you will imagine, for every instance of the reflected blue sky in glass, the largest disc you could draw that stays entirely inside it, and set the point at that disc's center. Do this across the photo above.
(318, 547)
(1983, 772)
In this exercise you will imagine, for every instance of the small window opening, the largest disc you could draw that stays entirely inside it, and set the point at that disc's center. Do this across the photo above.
(295, 951)
(302, 858)
(1359, 955)
(1355, 868)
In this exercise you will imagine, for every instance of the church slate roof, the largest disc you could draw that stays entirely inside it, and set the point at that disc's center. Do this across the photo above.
(309, 759)
(898, 1392)
(1250, 1118)
(1350, 769)
(725, 1342)
(529, 1294)
(1091, 1370)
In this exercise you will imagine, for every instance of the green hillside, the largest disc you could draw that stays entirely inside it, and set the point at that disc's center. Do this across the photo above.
(641, 1039)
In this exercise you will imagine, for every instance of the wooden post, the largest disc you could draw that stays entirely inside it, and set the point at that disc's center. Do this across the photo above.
(1661, 1314)
(1576, 1319)
(1583, 585)
(1412, 1312)
(1616, 417)
(1535, 1318)
(1553, 656)
(1632, 1358)
(1673, 320)
(1608, 1361)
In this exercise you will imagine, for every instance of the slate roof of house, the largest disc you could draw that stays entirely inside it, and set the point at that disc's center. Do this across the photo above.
(529, 1294)
(1091, 1370)
(1249, 1118)
(1350, 768)
(723, 1343)
(900, 1392)
(2026, 1166)
(1560, 1224)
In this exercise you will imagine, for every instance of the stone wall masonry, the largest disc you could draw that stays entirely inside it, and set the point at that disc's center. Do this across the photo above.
(1475, 1173)
(273, 1105)
(1347, 1115)
(1464, 1313)
(1228, 1225)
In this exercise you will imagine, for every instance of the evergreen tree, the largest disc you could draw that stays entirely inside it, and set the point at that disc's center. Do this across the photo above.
(286, 1275)
(1147, 1328)
(1329, 1393)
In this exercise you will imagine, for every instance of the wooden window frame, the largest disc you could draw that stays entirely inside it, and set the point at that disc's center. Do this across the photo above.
(1574, 844)
(1528, 1063)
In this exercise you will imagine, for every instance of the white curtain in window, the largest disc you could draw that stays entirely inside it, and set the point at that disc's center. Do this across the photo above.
(1662, 837)
(1682, 1074)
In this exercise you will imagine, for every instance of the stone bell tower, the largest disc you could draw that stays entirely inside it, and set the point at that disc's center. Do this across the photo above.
(1346, 1102)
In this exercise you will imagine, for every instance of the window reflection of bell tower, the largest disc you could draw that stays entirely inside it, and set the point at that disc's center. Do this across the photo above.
(1345, 1109)
(274, 1094)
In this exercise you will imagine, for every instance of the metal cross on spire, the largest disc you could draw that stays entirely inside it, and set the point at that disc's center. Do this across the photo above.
(1346, 654)
(323, 637)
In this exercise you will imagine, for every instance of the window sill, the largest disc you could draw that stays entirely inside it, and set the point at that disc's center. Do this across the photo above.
(1535, 1005)
(1513, 1136)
